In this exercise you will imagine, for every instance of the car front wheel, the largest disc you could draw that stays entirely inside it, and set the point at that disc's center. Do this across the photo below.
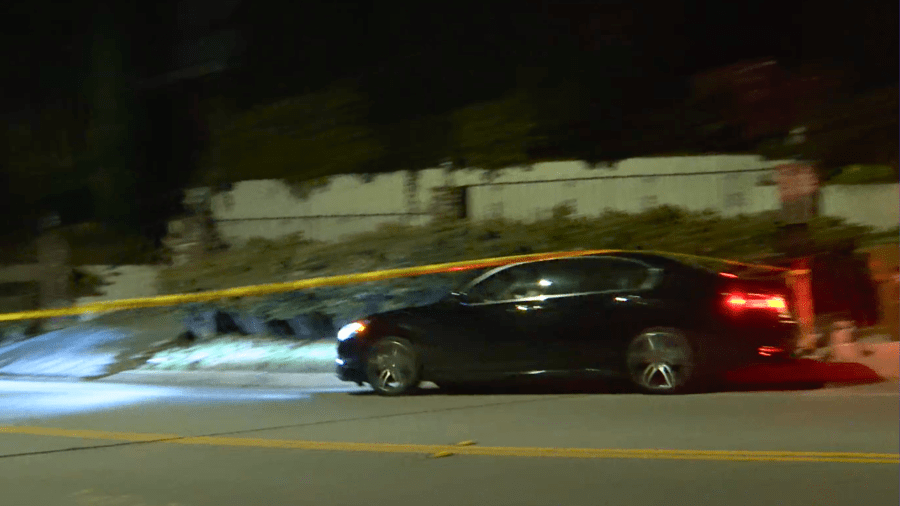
(393, 367)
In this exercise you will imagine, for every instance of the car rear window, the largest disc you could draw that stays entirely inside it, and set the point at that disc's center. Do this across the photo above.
(611, 274)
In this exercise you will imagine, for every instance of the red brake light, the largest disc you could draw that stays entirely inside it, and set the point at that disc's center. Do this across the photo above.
(739, 301)
(768, 351)
(776, 303)
(736, 301)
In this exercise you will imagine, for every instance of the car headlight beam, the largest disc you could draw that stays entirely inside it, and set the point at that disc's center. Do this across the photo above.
(350, 330)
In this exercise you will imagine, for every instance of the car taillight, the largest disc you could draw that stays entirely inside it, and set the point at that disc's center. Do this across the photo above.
(768, 351)
(739, 301)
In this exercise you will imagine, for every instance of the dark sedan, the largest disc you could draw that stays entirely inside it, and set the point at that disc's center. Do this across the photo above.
(666, 325)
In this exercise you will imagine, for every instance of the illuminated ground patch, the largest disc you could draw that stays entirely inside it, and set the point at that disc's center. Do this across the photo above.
(247, 354)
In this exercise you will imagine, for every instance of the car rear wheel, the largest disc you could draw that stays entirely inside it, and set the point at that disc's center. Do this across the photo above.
(393, 367)
(661, 361)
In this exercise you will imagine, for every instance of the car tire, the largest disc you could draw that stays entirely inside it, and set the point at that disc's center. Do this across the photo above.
(393, 367)
(663, 361)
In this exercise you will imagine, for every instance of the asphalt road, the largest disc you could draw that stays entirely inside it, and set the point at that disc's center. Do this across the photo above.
(77, 443)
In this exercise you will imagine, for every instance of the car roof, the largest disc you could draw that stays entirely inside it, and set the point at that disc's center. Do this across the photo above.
(656, 260)
(653, 259)
(686, 264)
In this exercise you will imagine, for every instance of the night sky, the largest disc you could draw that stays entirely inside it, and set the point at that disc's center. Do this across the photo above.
(417, 60)
(436, 56)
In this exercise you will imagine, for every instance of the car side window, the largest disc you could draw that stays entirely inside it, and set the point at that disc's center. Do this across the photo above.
(612, 274)
(502, 285)
(526, 281)
(557, 277)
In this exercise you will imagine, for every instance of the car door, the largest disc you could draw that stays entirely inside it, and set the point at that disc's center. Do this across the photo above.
(615, 295)
(548, 312)
(464, 339)
(496, 312)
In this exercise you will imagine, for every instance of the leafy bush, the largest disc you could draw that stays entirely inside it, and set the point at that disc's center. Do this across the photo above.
(85, 284)
(746, 237)
(865, 174)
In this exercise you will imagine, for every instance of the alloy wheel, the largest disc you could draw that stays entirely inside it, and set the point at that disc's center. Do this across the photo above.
(660, 361)
(393, 368)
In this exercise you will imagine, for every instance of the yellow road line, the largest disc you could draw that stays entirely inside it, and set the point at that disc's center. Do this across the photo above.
(471, 450)
(85, 434)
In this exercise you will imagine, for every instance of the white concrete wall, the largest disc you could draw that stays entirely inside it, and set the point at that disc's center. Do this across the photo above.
(343, 195)
(728, 194)
(876, 205)
(125, 282)
(323, 229)
(348, 205)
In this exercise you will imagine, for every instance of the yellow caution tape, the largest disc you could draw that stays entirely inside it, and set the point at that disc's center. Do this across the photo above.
(722, 260)
(346, 279)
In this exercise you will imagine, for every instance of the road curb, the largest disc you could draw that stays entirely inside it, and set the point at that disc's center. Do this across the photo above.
(233, 379)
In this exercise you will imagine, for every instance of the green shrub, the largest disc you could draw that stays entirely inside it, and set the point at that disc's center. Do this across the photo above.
(85, 284)
(865, 174)
(745, 237)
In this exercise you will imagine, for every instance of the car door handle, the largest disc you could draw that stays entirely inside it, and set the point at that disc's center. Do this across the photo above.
(525, 307)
